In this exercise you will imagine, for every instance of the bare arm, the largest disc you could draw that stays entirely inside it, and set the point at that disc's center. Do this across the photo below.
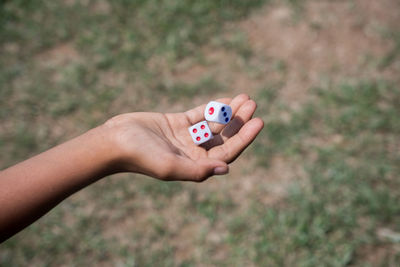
(154, 144)
(31, 188)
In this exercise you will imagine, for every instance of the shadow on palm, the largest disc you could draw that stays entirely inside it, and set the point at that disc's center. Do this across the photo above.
(230, 130)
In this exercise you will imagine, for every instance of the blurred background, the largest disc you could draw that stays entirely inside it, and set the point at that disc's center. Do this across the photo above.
(319, 187)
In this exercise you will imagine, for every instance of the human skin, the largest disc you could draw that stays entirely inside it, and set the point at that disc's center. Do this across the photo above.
(155, 144)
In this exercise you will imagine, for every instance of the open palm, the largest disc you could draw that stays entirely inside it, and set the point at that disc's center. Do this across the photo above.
(160, 145)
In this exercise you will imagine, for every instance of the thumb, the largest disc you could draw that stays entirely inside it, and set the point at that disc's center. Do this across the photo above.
(199, 170)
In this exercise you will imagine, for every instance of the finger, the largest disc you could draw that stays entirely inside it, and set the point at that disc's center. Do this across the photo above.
(243, 115)
(235, 145)
(196, 114)
(235, 104)
(197, 170)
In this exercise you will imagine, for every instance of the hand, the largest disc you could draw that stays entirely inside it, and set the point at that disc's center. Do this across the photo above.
(154, 144)
(160, 145)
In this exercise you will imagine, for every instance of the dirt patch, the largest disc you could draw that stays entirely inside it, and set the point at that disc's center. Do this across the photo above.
(377, 255)
(59, 55)
(327, 42)
(334, 38)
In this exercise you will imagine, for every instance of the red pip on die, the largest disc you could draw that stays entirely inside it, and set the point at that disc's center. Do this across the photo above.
(200, 132)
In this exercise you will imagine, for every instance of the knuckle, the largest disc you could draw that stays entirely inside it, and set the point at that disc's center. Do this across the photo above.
(226, 154)
(244, 96)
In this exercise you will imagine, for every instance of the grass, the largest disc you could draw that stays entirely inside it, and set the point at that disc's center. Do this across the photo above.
(105, 41)
(67, 66)
(183, 91)
(349, 191)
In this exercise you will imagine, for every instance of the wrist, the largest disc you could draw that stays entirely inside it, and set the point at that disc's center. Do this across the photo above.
(119, 134)
(108, 156)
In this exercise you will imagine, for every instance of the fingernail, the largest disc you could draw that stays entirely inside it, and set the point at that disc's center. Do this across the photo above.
(220, 170)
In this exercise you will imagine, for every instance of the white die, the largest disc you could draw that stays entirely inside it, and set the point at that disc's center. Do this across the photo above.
(218, 112)
(200, 132)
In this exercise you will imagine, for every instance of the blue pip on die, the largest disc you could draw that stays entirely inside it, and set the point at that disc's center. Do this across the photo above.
(218, 112)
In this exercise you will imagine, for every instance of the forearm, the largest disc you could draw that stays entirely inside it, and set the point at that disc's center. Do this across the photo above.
(153, 144)
(31, 188)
